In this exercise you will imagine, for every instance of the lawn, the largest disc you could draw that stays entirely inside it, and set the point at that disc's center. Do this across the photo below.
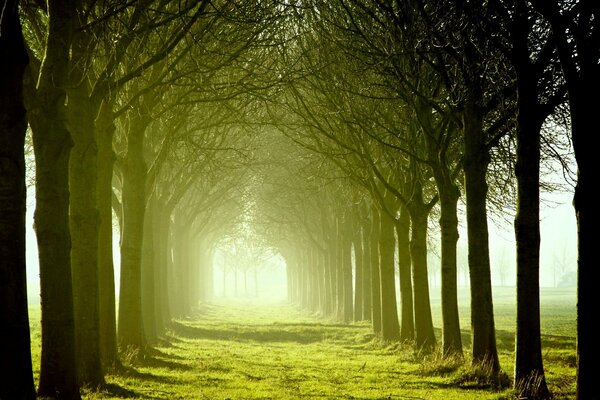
(242, 350)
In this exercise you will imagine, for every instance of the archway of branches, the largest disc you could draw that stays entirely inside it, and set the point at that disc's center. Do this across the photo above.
(324, 152)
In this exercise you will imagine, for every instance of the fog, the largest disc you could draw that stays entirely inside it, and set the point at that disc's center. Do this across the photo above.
(557, 256)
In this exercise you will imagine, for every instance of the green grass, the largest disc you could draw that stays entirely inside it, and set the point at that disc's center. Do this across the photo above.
(249, 351)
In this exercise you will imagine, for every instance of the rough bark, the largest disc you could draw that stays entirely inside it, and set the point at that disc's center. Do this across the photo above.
(52, 145)
(15, 352)
(407, 323)
(475, 162)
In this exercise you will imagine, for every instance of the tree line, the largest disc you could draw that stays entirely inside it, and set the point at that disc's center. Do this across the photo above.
(341, 128)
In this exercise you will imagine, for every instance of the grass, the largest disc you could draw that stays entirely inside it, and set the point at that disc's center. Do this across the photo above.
(249, 351)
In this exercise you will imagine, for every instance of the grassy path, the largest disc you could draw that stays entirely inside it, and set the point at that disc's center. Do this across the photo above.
(258, 352)
(247, 351)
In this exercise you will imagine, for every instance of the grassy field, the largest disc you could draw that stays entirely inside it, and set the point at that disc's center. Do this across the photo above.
(248, 351)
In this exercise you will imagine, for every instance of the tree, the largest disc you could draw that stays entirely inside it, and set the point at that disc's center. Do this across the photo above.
(52, 143)
(15, 351)
(575, 30)
(540, 91)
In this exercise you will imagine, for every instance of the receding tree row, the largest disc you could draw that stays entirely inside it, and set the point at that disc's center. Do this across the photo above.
(341, 134)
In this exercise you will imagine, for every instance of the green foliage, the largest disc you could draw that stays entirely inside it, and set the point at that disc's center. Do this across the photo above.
(248, 351)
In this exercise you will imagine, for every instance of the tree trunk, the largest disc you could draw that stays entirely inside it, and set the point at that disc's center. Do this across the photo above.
(359, 278)
(451, 339)
(530, 381)
(15, 350)
(583, 115)
(390, 329)
(52, 145)
(130, 332)
(407, 325)
(529, 367)
(148, 274)
(105, 129)
(328, 306)
(375, 286)
(425, 337)
(366, 262)
(339, 270)
(161, 226)
(475, 161)
(84, 224)
(348, 294)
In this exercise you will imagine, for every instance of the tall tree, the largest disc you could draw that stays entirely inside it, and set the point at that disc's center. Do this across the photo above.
(540, 90)
(52, 144)
(575, 26)
(16, 381)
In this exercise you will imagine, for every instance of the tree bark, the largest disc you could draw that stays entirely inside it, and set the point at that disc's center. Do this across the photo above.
(586, 211)
(348, 294)
(366, 262)
(407, 325)
(105, 129)
(530, 381)
(579, 60)
(15, 350)
(161, 228)
(130, 329)
(425, 337)
(475, 162)
(529, 367)
(52, 145)
(390, 328)
(359, 278)
(375, 286)
(451, 339)
(148, 274)
(84, 224)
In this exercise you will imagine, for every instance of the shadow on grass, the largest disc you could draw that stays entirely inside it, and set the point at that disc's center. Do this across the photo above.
(115, 390)
(505, 341)
(259, 333)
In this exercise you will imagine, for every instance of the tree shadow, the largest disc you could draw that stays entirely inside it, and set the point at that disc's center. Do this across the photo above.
(276, 333)
(114, 390)
(505, 341)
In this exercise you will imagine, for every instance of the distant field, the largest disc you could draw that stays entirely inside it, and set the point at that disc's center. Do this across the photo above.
(245, 351)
